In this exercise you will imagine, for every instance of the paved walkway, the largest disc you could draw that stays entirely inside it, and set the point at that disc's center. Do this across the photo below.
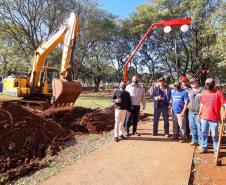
(143, 160)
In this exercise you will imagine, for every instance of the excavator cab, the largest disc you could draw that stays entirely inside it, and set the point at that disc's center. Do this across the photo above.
(46, 77)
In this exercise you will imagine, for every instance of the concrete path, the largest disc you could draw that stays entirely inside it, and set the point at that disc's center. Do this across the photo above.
(141, 160)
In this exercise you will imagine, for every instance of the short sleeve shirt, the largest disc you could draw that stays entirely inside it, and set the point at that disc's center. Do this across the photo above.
(212, 100)
(178, 99)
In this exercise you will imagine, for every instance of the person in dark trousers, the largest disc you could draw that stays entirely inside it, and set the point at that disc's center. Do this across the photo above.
(194, 103)
(137, 93)
(161, 95)
(122, 101)
(187, 87)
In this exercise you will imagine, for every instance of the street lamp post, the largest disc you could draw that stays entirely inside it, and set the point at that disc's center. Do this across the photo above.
(177, 66)
(183, 23)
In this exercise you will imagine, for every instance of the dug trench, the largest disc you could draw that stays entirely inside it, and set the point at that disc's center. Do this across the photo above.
(27, 139)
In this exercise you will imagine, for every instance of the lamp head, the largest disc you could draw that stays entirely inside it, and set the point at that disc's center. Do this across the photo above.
(184, 28)
(167, 29)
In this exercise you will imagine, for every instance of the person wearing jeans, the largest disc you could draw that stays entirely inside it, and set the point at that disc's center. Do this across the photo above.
(122, 101)
(194, 103)
(161, 96)
(210, 114)
(137, 94)
(179, 102)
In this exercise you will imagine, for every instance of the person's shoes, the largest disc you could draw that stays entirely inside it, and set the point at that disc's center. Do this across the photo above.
(182, 141)
(127, 134)
(202, 151)
(116, 139)
(193, 144)
(167, 135)
(122, 137)
(174, 138)
(136, 134)
(154, 134)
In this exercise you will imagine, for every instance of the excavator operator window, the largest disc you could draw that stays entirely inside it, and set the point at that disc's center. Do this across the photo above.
(51, 74)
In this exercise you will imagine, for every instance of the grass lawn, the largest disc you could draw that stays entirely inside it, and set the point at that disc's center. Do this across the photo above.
(89, 100)
(5, 97)
(102, 101)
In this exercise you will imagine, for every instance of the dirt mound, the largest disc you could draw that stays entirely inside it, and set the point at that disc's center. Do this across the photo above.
(79, 119)
(25, 139)
(99, 120)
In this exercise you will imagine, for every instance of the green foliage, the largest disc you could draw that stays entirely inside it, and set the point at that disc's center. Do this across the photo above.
(105, 43)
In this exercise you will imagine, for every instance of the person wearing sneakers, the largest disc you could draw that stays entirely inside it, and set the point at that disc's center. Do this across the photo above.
(179, 102)
(161, 95)
(122, 100)
(210, 114)
(194, 103)
(137, 93)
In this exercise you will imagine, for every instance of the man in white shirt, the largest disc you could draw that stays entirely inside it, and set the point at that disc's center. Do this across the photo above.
(137, 94)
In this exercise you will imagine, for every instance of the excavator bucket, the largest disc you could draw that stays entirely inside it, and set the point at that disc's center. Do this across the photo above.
(65, 92)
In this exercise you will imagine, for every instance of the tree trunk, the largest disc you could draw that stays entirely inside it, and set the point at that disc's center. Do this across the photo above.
(97, 80)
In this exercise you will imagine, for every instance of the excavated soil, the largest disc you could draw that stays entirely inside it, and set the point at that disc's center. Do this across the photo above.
(204, 170)
(27, 138)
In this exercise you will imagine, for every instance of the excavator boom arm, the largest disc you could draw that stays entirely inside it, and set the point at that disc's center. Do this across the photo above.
(66, 33)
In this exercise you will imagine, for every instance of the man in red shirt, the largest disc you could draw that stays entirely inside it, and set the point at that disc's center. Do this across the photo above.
(210, 114)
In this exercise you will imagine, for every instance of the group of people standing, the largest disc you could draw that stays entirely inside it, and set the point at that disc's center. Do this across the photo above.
(193, 108)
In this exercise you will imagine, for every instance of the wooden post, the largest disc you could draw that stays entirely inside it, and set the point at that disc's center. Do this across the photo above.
(219, 143)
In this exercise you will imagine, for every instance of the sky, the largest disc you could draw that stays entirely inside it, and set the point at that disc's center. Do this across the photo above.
(123, 8)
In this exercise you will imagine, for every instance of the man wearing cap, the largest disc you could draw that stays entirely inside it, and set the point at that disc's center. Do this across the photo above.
(194, 103)
(187, 87)
(210, 114)
(137, 94)
(161, 95)
(179, 102)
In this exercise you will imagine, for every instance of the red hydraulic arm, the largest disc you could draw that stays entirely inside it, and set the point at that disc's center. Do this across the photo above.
(172, 23)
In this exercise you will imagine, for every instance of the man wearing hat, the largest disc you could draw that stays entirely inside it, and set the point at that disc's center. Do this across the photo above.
(161, 95)
(194, 103)
(210, 114)
(179, 102)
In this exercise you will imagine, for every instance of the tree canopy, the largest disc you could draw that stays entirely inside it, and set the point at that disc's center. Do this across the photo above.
(105, 41)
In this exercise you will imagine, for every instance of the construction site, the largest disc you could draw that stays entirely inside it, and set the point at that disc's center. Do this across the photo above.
(36, 145)
(66, 68)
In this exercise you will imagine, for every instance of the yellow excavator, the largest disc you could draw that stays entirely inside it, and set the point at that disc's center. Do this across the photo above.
(49, 82)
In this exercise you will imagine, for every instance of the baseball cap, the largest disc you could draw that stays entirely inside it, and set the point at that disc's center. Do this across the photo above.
(162, 79)
(192, 80)
(184, 79)
(209, 81)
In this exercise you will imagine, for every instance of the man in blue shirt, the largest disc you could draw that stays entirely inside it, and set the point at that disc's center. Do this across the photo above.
(179, 102)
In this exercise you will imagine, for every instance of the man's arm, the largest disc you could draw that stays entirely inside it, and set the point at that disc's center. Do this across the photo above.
(155, 95)
(129, 104)
(186, 101)
(200, 108)
(185, 108)
(114, 96)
